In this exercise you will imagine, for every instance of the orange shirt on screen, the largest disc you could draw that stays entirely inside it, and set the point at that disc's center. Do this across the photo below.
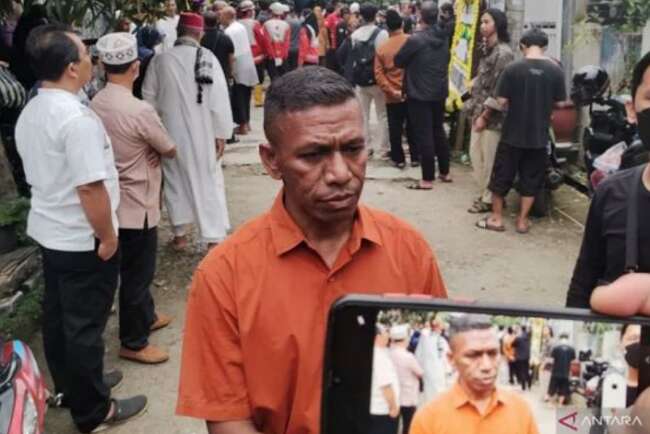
(257, 311)
(453, 413)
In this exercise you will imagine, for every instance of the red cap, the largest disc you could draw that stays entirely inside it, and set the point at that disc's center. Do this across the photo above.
(192, 21)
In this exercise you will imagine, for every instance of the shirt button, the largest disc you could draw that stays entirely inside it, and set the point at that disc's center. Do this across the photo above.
(331, 279)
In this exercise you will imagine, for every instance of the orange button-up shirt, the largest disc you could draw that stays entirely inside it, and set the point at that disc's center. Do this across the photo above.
(453, 413)
(257, 311)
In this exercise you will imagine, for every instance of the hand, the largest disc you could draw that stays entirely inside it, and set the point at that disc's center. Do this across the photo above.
(153, 158)
(395, 94)
(479, 124)
(394, 412)
(107, 248)
(629, 295)
(221, 147)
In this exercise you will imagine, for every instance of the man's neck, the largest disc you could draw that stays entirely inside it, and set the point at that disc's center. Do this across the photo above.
(535, 53)
(492, 40)
(73, 88)
(481, 400)
(396, 33)
(121, 80)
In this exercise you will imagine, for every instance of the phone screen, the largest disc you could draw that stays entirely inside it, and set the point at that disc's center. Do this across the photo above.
(447, 372)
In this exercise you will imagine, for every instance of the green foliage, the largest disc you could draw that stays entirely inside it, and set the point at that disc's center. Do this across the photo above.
(637, 14)
(23, 322)
(13, 211)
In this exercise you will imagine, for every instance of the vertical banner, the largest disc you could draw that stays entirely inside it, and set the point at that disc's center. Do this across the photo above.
(462, 49)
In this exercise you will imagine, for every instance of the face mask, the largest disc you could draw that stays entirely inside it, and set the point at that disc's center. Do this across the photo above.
(643, 120)
(632, 355)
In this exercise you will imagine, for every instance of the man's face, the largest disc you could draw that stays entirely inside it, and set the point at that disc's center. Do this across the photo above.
(320, 156)
(475, 355)
(83, 69)
(170, 8)
(487, 26)
(641, 99)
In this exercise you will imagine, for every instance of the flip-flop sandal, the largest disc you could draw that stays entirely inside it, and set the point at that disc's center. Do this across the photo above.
(523, 231)
(480, 207)
(485, 225)
(418, 186)
(445, 179)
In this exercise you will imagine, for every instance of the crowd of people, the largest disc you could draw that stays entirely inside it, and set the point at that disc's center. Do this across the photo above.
(107, 122)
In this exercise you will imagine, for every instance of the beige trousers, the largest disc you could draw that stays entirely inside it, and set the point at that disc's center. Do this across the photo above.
(366, 96)
(482, 149)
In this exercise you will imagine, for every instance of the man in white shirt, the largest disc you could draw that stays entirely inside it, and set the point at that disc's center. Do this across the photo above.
(167, 26)
(409, 373)
(69, 164)
(244, 71)
(385, 389)
(370, 93)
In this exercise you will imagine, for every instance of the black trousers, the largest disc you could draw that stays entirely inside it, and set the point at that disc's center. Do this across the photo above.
(407, 413)
(383, 425)
(79, 291)
(331, 61)
(427, 126)
(292, 60)
(512, 372)
(397, 121)
(241, 104)
(261, 67)
(523, 374)
(137, 269)
(275, 71)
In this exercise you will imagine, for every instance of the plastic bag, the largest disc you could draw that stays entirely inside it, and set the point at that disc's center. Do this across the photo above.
(610, 161)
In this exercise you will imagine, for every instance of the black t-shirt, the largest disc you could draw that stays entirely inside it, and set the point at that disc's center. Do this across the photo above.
(602, 256)
(522, 347)
(562, 356)
(221, 46)
(532, 87)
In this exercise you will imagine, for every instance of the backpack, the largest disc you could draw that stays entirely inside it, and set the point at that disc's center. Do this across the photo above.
(363, 61)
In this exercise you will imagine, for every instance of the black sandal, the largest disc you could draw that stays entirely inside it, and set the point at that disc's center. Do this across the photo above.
(123, 411)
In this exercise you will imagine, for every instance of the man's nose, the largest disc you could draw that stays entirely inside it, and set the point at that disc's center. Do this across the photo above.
(338, 170)
(485, 362)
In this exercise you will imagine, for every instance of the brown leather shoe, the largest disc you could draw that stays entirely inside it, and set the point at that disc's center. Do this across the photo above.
(162, 321)
(149, 355)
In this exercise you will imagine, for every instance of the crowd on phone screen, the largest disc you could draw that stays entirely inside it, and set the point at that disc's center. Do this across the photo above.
(114, 117)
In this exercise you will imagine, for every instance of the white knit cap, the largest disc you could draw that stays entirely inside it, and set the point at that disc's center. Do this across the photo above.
(117, 48)
(277, 8)
(399, 332)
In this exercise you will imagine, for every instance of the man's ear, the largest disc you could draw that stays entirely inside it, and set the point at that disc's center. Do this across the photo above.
(72, 70)
(631, 113)
(269, 157)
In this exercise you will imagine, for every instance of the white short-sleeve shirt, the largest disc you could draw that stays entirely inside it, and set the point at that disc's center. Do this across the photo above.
(63, 145)
(383, 374)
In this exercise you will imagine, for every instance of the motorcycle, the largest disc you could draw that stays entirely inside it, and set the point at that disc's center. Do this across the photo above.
(23, 395)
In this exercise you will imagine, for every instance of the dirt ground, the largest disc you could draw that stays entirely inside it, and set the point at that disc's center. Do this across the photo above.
(532, 269)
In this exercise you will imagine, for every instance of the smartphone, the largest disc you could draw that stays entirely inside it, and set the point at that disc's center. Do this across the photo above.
(419, 365)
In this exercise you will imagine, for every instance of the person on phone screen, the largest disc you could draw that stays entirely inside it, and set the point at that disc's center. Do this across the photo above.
(603, 253)
(385, 391)
(409, 373)
(475, 404)
(257, 310)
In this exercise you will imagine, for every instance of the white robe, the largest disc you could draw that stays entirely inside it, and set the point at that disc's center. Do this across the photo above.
(431, 353)
(244, 69)
(194, 188)
(167, 26)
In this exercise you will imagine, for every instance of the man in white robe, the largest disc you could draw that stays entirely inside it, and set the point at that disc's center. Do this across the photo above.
(431, 353)
(244, 71)
(197, 115)
(167, 26)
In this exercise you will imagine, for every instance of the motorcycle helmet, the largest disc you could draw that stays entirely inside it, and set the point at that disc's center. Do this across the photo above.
(589, 83)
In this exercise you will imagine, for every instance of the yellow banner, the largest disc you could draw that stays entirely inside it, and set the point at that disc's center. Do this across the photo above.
(462, 50)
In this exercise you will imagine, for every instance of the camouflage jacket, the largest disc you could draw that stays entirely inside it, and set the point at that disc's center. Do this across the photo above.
(493, 62)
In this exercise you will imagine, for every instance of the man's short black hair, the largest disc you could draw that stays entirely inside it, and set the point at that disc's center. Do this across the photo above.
(211, 20)
(429, 12)
(301, 90)
(50, 50)
(394, 20)
(118, 69)
(368, 12)
(468, 322)
(344, 11)
(639, 71)
(534, 38)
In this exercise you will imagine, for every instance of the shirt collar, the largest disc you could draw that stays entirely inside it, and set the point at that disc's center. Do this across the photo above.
(287, 235)
(117, 88)
(459, 398)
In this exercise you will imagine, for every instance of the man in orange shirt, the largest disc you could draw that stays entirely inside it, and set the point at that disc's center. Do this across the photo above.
(474, 404)
(389, 79)
(257, 311)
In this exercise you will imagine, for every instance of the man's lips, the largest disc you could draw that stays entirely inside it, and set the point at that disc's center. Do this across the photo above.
(338, 197)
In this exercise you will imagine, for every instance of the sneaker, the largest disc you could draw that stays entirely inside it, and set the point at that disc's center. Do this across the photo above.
(149, 355)
(112, 379)
(162, 321)
(123, 411)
